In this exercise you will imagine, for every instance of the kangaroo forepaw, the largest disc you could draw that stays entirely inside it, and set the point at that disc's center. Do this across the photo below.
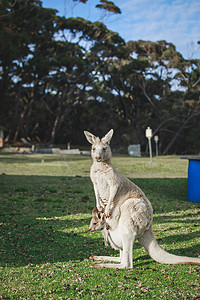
(107, 212)
(101, 209)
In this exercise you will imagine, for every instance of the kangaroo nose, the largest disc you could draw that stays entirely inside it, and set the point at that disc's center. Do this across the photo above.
(98, 158)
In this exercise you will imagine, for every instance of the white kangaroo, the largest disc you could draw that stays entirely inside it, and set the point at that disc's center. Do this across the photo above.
(129, 213)
(123, 236)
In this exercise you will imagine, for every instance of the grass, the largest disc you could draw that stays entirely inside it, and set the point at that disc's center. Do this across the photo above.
(46, 203)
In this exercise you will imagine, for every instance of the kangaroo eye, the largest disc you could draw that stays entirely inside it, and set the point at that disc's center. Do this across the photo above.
(104, 149)
(93, 149)
(94, 223)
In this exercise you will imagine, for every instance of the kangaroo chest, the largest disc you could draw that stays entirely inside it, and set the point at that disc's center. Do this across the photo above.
(103, 177)
(102, 184)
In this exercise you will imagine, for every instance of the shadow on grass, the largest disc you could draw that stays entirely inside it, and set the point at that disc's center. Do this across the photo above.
(36, 158)
(38, 242)
(46, 218)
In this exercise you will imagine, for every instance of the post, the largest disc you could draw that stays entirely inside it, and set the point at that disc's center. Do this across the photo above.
(150, 150)
(149, 136)
(156, 139)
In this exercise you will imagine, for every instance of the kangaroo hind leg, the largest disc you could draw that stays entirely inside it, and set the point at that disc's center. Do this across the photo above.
(106, 258)
(126, 255)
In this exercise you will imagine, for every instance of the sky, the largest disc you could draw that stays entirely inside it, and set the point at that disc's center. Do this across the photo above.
(176, 21)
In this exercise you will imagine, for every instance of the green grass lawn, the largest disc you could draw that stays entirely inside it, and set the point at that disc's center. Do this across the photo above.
(45, 210)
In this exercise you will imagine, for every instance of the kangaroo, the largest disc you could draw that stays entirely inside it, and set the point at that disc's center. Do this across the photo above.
(112, 189)
(128, 211)
(99, 222)
(123, 236)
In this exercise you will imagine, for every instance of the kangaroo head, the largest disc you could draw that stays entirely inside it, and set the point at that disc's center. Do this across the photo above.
(100, 147)
(98, 220)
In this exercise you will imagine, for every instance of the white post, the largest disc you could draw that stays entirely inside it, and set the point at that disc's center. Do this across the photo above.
(150, 150)
(149, 136)
(156, 139)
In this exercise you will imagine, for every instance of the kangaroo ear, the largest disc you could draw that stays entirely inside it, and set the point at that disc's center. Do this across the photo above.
(106, 139)
(95, 211)
(90, 137)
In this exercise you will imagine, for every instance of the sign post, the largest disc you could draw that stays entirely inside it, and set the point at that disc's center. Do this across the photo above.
(149, 136)
(156, 139)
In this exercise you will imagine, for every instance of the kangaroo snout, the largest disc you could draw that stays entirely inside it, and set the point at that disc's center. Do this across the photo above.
(98, 154)
(98, 158)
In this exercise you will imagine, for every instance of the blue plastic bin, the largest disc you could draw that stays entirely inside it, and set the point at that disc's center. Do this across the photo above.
(193, 189)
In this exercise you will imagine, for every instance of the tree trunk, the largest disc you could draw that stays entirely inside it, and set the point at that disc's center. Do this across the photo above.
(169, 146)
(60, 117)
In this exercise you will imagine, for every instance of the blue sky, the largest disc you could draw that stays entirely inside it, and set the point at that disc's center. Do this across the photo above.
(176, 21)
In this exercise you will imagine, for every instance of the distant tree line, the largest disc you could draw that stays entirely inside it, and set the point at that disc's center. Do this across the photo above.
(60, 76)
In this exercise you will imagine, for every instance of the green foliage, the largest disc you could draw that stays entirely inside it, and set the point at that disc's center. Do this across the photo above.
(60, 76)
(109, 5)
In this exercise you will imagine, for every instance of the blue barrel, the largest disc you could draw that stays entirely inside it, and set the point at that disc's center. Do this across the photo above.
(193, 189)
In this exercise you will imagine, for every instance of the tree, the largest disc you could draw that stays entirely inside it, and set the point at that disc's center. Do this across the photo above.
(26, 33)
(59, 76)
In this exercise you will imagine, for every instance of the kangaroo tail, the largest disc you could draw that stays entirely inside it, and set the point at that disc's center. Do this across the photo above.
(148, 241)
